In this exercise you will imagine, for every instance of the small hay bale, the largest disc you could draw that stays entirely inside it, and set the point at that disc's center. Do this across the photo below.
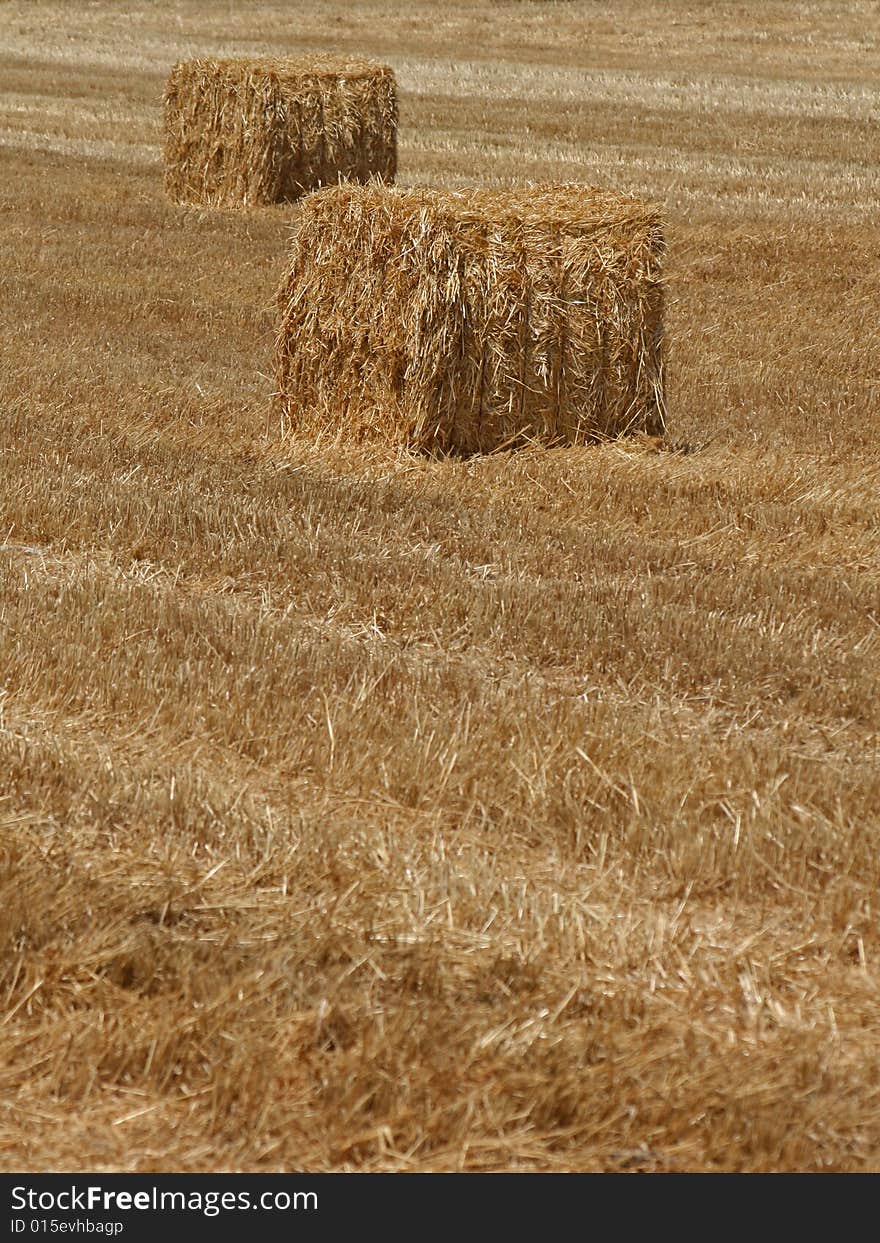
(464, 322)
(241, 132)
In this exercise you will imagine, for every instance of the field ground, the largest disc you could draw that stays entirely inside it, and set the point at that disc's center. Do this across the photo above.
(366, 812)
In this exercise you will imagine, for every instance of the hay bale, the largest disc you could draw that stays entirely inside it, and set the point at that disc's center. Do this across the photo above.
(267, 131)
(466, 321)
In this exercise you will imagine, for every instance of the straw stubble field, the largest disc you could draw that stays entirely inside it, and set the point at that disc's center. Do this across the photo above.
(361, 811)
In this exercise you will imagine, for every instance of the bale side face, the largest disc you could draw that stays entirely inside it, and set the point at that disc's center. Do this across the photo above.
(241, 132)
(464, 322)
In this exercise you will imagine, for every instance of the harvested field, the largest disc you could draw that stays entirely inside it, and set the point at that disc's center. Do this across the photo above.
(245, 131)
(360, 810)
(471, 321)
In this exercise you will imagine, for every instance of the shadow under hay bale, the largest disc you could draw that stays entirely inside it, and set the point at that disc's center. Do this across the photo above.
(241, 132)
(464, 322)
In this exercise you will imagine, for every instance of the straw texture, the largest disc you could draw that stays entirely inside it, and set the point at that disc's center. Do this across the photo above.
(240, 132)
(467, 321)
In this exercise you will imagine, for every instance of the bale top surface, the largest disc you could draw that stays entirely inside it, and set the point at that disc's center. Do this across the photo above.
(569, 206)
(290, 69)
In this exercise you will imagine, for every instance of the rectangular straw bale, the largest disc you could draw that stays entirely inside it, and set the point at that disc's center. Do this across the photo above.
(464, 321)
(241, 132)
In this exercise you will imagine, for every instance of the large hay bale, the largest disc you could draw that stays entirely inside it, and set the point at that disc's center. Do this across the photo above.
(467, 321)
(267, 131)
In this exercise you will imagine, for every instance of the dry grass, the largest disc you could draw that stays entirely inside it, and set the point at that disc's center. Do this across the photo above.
(245, 131)
(361, 811)
(475, 320)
